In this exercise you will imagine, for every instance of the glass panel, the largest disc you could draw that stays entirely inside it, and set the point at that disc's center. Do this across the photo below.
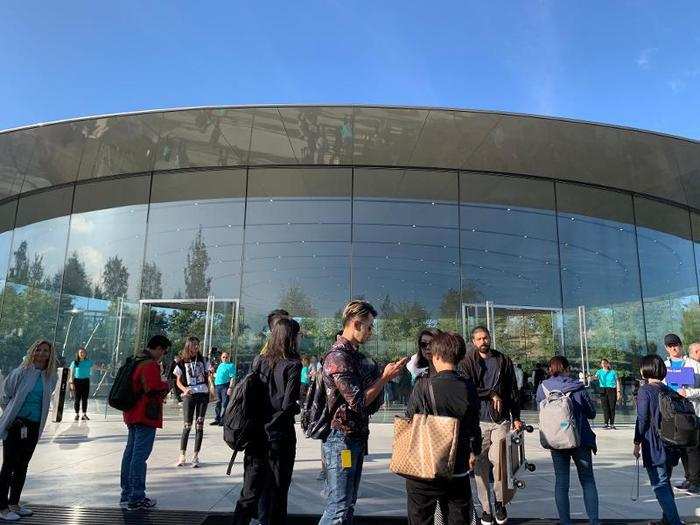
(8, 211)
(102, 273)
(669, 281)
(691, 317)
(297, 250)
(35, 274)
(600, 272)
(195, 235)
(320, 135)
(16, 149)
(509, 258)
(387, 136)
(269, 142)
(406, 254)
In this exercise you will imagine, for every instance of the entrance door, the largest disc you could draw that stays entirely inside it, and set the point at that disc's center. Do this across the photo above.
(213, 320)
(528, 334)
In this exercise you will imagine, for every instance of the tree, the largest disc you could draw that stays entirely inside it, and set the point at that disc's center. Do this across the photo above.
(19, 272)
(297, 302)
(75, 281)
(152, 282)
(197, 284)
(115, 278)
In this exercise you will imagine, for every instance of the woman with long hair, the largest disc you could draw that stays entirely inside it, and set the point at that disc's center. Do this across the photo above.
(420, 364)
(192, 378)
(25, 402)
(268, 465)
(80, 370)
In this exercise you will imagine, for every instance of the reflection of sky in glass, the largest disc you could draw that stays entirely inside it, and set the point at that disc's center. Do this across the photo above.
(509, 254)
(299, 243)
(45, 240)
(173, 226)
(97, 236)
(405, 250)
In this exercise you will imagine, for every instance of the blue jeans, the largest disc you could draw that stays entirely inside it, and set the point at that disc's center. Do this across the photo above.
(583, 459)
(221, 400)
(342, 484)
(660, 479)
(138, 447)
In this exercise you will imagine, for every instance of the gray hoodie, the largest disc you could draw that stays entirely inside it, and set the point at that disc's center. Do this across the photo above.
(15, 390)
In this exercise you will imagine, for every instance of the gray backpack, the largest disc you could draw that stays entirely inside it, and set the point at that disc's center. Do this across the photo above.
(558, 429)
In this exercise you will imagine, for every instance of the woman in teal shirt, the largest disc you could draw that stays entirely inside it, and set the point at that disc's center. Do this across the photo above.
(223, 383)
(610, 392)
(80, 370)
(25, 400)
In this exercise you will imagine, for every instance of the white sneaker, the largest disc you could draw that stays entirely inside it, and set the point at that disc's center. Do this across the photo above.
(195, 462)
(8, 515)
(21, 511)
(181, 461)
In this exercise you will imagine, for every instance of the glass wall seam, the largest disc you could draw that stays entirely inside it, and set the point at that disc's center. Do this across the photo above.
(695, 255)
(639, 269)
(63, 271)
(559, 263)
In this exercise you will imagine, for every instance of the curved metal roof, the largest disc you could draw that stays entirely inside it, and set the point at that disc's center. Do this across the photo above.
(648, 163)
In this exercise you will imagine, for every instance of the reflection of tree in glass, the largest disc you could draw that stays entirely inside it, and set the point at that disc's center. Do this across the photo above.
(197, 284)
(297, 302)
(691, 324)
(75, 280)
(152, 282)
(115, 278)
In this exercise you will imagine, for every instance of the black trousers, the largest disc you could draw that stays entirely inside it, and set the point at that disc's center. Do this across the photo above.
(609, 400)
(455, 497)
(691, 464)
(193, 405)
(267, 470)
(16, 453)
(81, 392)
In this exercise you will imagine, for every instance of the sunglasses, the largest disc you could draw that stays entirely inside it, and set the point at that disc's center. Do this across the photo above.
(423, 344)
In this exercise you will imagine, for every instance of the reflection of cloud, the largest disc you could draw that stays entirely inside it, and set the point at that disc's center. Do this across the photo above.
(676, 85)
(643, 61)
(93, 259)
(80, 224)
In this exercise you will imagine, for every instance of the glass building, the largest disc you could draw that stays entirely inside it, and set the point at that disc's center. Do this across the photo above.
(563, 237)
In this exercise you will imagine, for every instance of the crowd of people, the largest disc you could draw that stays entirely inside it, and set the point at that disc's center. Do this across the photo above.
(473, 383)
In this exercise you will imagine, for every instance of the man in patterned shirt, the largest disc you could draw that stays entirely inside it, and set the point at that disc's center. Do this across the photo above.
(354, 389)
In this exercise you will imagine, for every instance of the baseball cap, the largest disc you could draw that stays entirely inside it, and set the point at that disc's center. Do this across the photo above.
(672, 340)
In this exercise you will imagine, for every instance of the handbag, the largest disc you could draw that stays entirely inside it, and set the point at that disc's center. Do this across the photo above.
(425, 445)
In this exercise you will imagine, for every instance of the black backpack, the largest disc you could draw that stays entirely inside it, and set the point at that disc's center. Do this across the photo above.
(315, 414)
(122, 395)
(243, 419)
(679, 424)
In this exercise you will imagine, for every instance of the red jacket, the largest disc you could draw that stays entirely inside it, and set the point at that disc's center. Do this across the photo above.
(149, 408)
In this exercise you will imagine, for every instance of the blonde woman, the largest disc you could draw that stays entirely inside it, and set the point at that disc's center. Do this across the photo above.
(25, 402)
(192, 378)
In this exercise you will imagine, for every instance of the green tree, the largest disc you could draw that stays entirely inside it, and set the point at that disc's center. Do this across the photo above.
(75, 280)
(152, 282)
(115, 278)
(197, 283)
(296, 301)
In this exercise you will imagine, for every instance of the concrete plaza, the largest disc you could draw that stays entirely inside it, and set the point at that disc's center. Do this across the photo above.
(78, 464)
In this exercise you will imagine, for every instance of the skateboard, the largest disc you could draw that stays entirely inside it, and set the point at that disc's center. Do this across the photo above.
(513, 462)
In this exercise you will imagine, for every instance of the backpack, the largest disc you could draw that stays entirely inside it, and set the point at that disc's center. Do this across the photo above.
(558, 428)
(243, 419)
(315, 416)
(122, 395)
(679, 424)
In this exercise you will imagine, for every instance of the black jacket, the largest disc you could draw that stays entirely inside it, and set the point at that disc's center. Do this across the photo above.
(455, 396)
(506, 386)
(283, 385)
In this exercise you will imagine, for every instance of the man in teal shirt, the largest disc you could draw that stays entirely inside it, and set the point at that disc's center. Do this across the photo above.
(223, 383)
(610, 391)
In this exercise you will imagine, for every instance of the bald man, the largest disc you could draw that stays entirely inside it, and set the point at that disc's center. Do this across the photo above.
(691, 457)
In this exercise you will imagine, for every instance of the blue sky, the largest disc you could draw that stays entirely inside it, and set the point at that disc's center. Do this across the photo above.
(633, 63)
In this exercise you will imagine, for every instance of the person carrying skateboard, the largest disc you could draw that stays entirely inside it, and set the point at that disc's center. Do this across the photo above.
(493, 374)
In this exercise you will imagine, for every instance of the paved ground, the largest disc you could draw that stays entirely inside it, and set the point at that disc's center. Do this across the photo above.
(77, 464)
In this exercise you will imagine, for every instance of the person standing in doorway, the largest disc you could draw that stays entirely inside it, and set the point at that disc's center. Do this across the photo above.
(494, 376)
(354, 388)
(224, 380)
(80, 370)
(25, 400)
(610, 391)
(142, 420)
(689, 456)
(192, 377)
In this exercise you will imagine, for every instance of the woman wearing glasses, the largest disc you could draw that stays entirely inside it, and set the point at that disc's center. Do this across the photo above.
(192, 378)
(25, 402)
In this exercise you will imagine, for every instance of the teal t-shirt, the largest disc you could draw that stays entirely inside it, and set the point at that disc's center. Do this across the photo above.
(607, 378)
(82, 371)
(224, 373)
(305, 375)
(31, 409)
